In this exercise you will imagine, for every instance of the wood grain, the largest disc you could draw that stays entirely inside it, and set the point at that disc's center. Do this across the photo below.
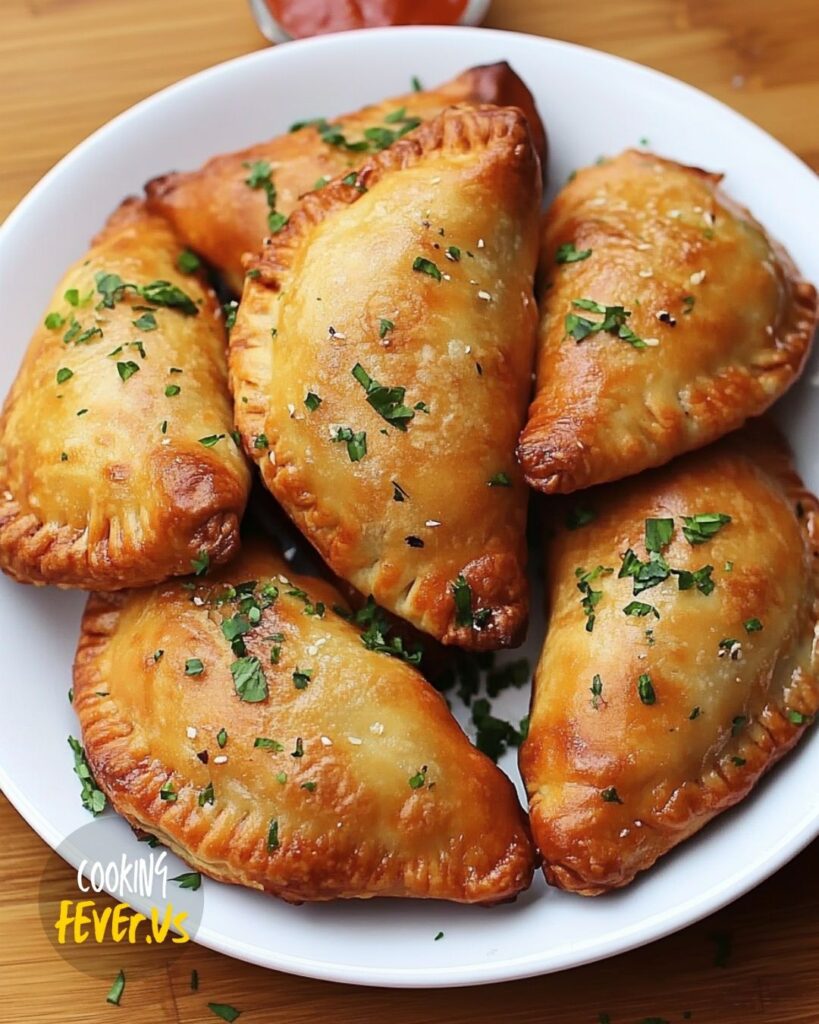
(66, 67)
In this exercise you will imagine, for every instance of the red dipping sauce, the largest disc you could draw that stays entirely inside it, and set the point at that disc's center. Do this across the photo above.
(300, 18)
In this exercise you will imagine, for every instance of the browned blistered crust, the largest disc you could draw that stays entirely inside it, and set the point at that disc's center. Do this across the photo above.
(104, 499)
(719, 724)
(367, 723)
(215, 212)
(661, 236)
(446, 459)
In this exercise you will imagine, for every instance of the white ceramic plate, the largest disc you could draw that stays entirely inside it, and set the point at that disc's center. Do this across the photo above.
(591, 104)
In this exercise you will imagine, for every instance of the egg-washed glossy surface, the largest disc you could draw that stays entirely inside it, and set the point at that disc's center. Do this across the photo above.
(339, 774)
(104, 479)
(218, 213)
(707, 319)
(650, 723)
(424, 508)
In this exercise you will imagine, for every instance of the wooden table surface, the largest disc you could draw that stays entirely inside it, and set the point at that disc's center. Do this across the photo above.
(66, 67)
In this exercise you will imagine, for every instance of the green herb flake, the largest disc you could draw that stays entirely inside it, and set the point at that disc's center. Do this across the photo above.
(189, 880)
(54, 321)
(384, 327)
(500, 480)
(309, 786)
(614, 322)
(752, 626)
(610, 796)
(695, 714)
(171, 391)
(596, 692)
(302, 677)
(417, 780)
(64, 374)
(797, 718)
(188, 262)
(265, 743)
(92, 797)
(645, 688)
(222, 738)
(591, 598)
(206, 795)
(194, 667)
(168, 793)
(116, 990)
(658, 534)
(697, 529)
(224, 1012)
(453, 253)
(201, 564)
(312, 401)
(249, 679)
(425, 266)
(738, 724)
(211, 440)
(356, 442)
(688, 302)
(273, 835)
(388, 402)
(640, 609)
(579, 516)
(568, 253)
(145, 322)
(127, 370)
(230, 311)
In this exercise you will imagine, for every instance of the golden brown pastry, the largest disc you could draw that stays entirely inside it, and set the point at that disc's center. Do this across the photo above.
(668, 316)
(680, 662)
(381, 367)
(266, 741)
(117, 465)
(226, 208)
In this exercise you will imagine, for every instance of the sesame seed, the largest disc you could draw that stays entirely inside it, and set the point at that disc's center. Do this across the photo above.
(198, 601)
(644, 247)
(698, 277)
(377, 728)
(651, 342)
(326, 741)
(485, 296)
(468, 349)
(481, 243)
(434, 181)
(709, 218)
(272, 456)
(312, 650)
(356, 742)
(8, 495)
(598, 201)
(221, 759)
(432, 522)
(291, 409)
(190, 732)
(446, 277)
(645, 273)
(165, 441)
(674, 214)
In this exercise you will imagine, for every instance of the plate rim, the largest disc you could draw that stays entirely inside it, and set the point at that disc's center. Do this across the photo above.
(651, 929)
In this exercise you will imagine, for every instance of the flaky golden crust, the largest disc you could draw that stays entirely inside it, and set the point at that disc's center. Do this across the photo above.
(614, 780)
(349, 823)
(94, 491)
(442, 499)
(218, 214)
(727, 321)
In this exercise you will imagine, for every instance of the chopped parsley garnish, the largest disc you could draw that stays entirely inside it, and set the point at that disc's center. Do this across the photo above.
(211, 440)
(261, 442)
(188, 262)
(171, 391)
(261, 177)
(222, 1010)
(645, 688)
(738, 724)
(201, 564)
(159, 293)
(127, 370)
(500, 480)
(312, 401)
(267, 744)
(494, 735)
(797, 718)
(398, 492)
(699, 578)
(703, 526)
(116, 990)
(658, 534)
(415, 81)
(299, 751)
(591, 598)
(64, 374)
(417, 780)
(206, 795)
(222, 738)
(229, 311)
(356, 442)
(387, 402)
(610, 795)
(752, 625)
(596, 692)
(513, 674)
(688, 303)
(425, 266)
(233, 630)
(168, 793)
(376, 633)
(93, 798)
(453, 253)
(53, 321)
(302, 677)
(464, 614)
(194, 667)
(568, 253)
(189, 880)
(384, 327)
(249, 679)
(579, 516)
(309, 786)
(640, 609)
(740, 762)
(613, 322)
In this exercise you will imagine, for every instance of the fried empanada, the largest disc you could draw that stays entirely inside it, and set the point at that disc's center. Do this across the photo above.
(263, 738)
(681, 656)
(381, 365)
(117, 464)
(226, 208)
(668, 318)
